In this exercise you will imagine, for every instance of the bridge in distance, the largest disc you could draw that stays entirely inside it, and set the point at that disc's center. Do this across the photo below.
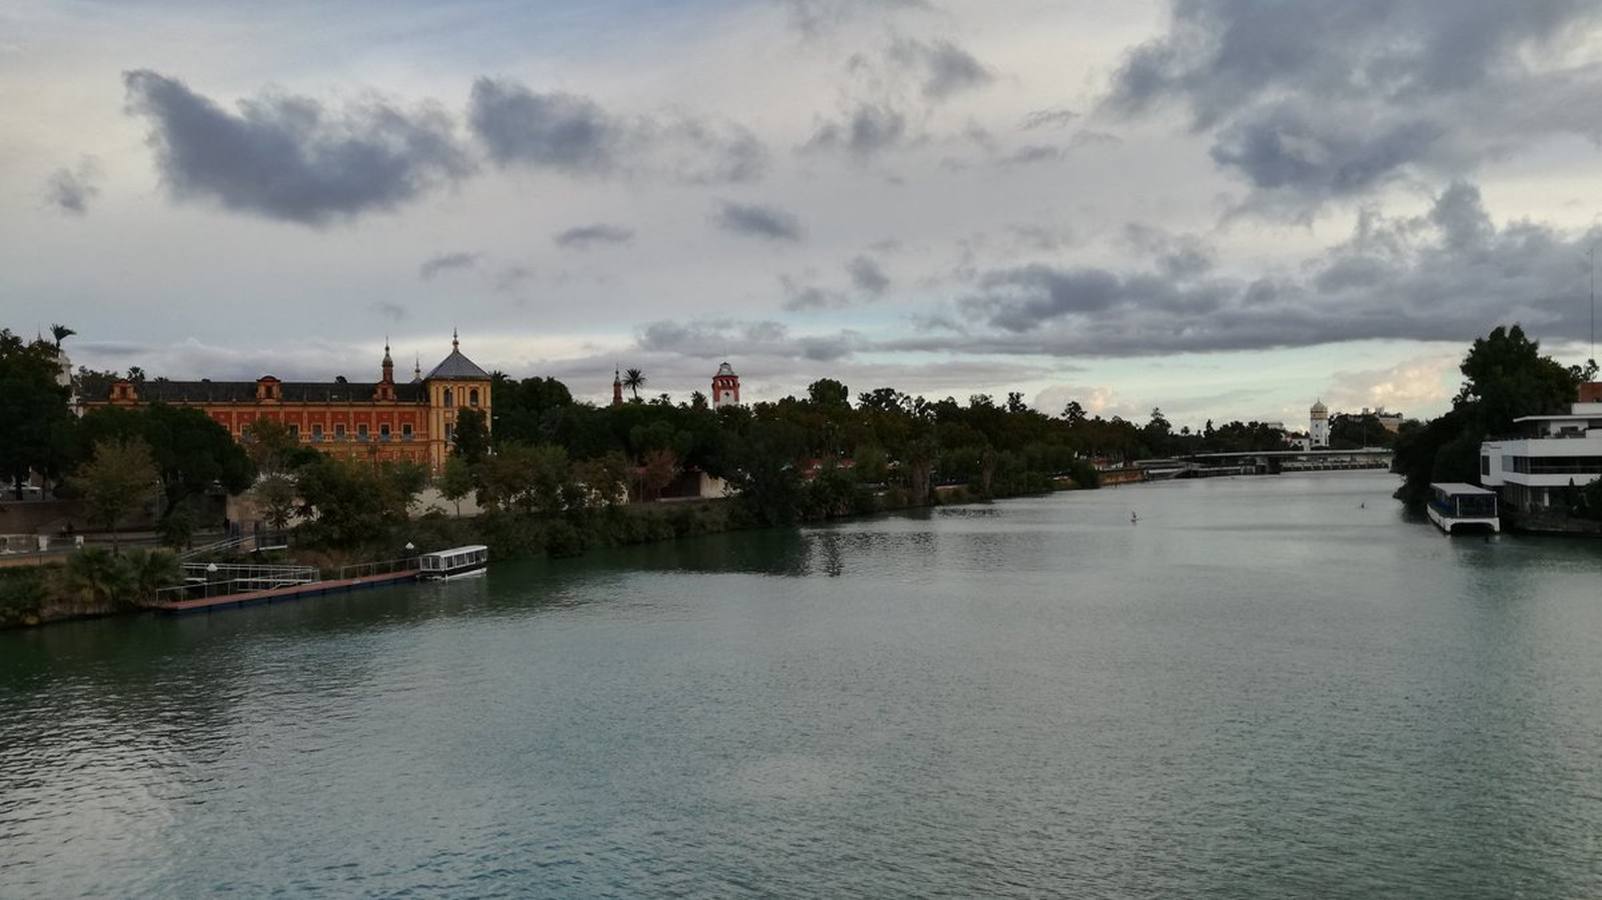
(1265, 462)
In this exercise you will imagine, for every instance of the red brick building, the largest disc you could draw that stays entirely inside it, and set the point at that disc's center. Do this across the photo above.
(381, 421)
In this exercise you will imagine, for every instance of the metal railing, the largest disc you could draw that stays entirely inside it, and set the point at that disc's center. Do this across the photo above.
(254, 577)
(382, 567)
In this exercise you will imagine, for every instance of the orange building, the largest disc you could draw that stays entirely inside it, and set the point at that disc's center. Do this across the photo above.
(379, 421)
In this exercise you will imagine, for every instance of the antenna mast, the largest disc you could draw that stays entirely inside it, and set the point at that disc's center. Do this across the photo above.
(1592, 254)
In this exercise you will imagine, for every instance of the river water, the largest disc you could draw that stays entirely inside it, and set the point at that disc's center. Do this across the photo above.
(1268, 687)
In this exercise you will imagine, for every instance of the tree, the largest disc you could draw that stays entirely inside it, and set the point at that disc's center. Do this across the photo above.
(471, 437)
(634, 379)
(455, 481)
(828, 392)
(659, 469)
(1074, 413)
(36, 425)
(270, 445)
(275, 497)
(60, 333)
(120, 478)
(347, 503)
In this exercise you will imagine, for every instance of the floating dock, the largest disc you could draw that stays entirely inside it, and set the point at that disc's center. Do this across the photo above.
(284, 594)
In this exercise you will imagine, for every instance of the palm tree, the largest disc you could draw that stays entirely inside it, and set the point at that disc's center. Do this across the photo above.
(634, 379)
(61, 333)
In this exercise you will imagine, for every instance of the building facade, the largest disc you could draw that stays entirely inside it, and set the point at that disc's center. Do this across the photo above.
(1318, 424)
(725, 387)
(1533, 472)
(382, 421)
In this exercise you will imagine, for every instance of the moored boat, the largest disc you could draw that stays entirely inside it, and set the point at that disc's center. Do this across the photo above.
(1456, 507)
(457, 562)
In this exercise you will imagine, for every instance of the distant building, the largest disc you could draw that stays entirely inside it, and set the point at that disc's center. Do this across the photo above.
(379, 421)
(1533, 472)
(617, 388)
(725, 387)
(1318, 424)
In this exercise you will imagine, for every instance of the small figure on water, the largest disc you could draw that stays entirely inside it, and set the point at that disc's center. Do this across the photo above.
(1134, 519)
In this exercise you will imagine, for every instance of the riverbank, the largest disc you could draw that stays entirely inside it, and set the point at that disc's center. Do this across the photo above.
(40, 595)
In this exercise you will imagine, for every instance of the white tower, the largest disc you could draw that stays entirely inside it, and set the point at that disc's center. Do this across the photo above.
(725, 387)
(1318, 425)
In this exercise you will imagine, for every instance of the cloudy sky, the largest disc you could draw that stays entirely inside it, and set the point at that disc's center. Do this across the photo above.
(1225, 208)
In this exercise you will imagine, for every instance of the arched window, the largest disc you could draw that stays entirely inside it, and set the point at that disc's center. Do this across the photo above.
(472, 397)
(450, 398)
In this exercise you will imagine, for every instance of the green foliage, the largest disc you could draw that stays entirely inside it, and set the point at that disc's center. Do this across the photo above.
(275, 497)
(827, 392)
(455, 481)
(177, 528)
(117, 481)
(470, 439)
(347, 503)
(192, 453)
(1505, 376)
(1351, 431)
(36, 426)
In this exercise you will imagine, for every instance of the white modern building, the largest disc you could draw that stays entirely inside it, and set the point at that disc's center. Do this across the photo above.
(1531, 472)
(1318, 424)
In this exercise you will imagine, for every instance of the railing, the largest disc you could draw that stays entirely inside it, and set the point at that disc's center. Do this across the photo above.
(383, 567)
(255, 576)
(221, 546)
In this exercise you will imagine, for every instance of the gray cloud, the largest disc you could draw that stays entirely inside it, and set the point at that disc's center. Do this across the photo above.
(563, 131)
(588, 235)
(510, 278)
(290, 158)
(1448, 275)
(813, 18)
(946, 68)
(572, 133)
(71, 190)
(800, 296)
(755, 220)
(868, 129)
(867, 275)
(445, 262)
(713, 339)
(1310, 101)
(1030, 154)
(392, 311)
(1055, 117)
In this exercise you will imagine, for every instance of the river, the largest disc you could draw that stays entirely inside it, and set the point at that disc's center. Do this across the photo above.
(1268, 687)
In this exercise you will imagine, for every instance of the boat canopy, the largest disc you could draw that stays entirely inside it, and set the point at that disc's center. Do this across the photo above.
(454, 558)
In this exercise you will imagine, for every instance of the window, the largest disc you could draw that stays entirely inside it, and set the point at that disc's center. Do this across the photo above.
(406, 431)
(383, 432)
(1485, 465)
(339, 431)
(294, 431)
(472, 397)
(450, 398)
(450, 432)
(361, 432)
(317, 433)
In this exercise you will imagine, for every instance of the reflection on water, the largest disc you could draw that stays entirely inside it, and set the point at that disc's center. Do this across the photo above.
(1267, 687)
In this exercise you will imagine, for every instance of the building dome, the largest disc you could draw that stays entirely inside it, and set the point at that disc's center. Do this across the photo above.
(1319, 407)
(725, 369)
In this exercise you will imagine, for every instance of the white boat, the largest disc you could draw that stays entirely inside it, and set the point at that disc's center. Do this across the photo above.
(457, 562)
(1455, 507)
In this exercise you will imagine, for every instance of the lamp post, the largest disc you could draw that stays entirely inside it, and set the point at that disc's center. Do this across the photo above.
(211, 577)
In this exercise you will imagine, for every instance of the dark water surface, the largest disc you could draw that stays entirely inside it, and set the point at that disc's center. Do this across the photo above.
(1262, 690)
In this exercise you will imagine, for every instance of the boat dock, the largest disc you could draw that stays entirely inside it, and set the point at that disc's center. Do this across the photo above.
(362, 578)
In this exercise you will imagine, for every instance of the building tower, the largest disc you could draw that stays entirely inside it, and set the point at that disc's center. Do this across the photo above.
(1318, 425)
(617, 388)
(725, 387)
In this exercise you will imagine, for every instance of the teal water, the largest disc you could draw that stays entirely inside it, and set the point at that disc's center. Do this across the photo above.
(1269, 687)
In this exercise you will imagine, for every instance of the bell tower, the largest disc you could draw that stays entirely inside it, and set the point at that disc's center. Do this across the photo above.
(725, 387)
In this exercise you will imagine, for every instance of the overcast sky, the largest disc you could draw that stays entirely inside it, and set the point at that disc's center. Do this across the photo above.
(1226, 208)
